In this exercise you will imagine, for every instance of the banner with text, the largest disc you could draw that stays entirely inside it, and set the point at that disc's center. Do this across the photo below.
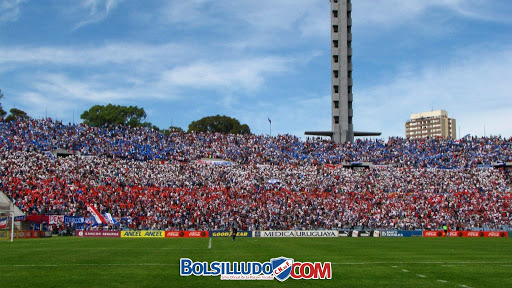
(401, 233)
(143, 234)
(56, 219)
(32, 234)
(222, 233)
(487, 234)
(74, 220)
(102, 234)
(4, 235)
(186, 234)
(293, 233)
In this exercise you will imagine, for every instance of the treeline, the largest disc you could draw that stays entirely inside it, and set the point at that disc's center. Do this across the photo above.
(13, 113)
(133, 116)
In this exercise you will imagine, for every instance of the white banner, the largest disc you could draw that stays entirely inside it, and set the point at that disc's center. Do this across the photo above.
(299, 233)
(56, 219)
(320, 233)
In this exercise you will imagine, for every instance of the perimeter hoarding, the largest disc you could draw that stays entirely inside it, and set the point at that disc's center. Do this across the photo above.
(102, 234)
(143, 234)
(487, 234)
(222, 233)
(4, 234)
(186, 234)
(401, 233)
(293, 233)
(27, 234)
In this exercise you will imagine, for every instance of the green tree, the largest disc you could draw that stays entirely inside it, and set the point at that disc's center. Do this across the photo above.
(221, 124)
(176, 129)
(172, 129)
(99, 115)
(16, 113)
(2, 111)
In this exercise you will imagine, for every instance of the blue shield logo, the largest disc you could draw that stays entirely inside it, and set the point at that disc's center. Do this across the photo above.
(281, 267)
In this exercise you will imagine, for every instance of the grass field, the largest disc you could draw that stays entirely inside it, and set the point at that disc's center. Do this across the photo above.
(357, 262)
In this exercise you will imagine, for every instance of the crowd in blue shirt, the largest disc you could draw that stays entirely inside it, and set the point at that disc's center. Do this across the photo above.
(264, 183)
(149, 144)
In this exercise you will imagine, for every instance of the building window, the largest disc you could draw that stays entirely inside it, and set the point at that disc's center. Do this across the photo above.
(349, 14)
(349, 74)
(335, 13)
(349, 59)
(335, 57)
(350, 120)
(335, 28)
(336, 104)
(349, 89)
(335, 73)
(335, 42)
(349, 44)
(336, 87)
(349, 29)
(335, 1)
(349, 104)
(336, 119)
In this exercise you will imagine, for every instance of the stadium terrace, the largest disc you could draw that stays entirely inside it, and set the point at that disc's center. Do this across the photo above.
(150, 181)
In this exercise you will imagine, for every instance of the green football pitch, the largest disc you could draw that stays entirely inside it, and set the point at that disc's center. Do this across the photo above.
(356, 262)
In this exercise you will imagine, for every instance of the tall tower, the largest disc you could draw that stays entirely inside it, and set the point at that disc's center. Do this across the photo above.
(341, 75)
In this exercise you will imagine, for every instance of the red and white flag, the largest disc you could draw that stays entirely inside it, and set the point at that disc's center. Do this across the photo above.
(3, 223)
(95, 214)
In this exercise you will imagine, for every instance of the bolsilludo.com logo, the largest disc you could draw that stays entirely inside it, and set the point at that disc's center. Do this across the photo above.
(280, 268)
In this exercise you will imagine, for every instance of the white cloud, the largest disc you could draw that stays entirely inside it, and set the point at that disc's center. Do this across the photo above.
(63, 87)
(111, 76)
(116, 53)
(295, 115)
(229, 75)
(305, 17)
(474, 88)
(393, 12)
(260, 20)
(190, 12)
(61, 94)
(98, 10)
(10, 10)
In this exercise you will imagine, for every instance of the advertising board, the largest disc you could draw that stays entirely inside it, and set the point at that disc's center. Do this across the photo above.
(186, 234)
(298, 233)
(487, 234)
(4, 234)
(401, 233)
(143, 234)
(102, 234)
(222, 233)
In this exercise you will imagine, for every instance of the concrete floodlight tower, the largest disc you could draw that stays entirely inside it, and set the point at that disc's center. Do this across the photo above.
(341, 76)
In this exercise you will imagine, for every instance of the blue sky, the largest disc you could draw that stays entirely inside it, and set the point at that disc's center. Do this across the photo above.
(258, 59)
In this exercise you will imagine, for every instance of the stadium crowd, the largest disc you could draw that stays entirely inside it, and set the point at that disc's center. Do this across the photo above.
(147, 144)
(153, 181)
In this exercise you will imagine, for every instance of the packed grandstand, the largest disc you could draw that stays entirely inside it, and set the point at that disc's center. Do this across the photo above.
(149, 180)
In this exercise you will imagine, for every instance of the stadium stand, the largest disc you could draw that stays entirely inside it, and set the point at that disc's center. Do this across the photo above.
(148, 180)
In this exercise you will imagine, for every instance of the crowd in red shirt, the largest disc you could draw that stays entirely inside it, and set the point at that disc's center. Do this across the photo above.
(270, 183)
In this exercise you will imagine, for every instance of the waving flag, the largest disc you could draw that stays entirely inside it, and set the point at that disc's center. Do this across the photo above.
(3, 223)
(110, 219)
(96, 216)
